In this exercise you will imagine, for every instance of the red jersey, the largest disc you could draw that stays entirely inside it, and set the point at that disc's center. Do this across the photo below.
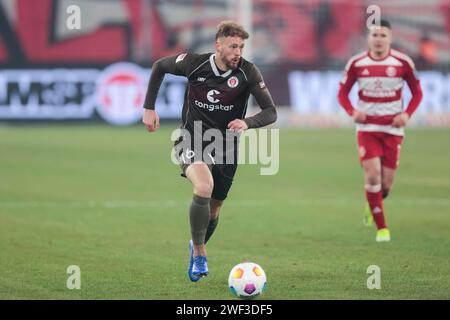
(380, 84)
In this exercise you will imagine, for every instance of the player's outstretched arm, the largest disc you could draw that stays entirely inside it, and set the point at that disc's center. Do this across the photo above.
(268, 114)
(262, 96)
(159, 70)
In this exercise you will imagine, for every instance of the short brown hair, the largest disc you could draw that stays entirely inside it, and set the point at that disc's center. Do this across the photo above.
(231, 29)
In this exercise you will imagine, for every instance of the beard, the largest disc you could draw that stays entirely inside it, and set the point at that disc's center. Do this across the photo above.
(231, 64)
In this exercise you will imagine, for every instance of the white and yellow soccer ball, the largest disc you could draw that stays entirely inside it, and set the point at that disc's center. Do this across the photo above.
(247, 280)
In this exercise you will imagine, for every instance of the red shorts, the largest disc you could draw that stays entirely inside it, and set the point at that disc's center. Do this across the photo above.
(380, 144)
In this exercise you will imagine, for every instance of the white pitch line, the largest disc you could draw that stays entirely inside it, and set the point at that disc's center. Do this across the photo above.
(118, 204)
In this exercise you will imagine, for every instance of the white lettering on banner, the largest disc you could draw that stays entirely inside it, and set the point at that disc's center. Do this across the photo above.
(47, 94)
(117, 93)
(74, 94)
(436, 92)
(315, 93)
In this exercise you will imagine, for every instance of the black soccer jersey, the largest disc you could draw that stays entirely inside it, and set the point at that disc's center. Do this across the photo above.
(213, 96)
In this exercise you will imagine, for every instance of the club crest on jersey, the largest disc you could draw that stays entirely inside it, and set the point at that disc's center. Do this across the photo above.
(391, 71)
(262, 85)
(233, 82)
(180, 57)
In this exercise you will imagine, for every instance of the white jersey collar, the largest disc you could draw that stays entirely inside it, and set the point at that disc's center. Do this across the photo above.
(214, 67)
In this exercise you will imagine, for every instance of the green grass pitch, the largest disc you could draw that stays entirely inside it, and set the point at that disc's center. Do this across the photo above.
(110, 201)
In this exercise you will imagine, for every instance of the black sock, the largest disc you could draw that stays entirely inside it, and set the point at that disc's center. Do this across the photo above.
(199, 218)
(211, 227)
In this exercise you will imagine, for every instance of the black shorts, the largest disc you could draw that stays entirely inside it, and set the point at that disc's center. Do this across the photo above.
(222, 173)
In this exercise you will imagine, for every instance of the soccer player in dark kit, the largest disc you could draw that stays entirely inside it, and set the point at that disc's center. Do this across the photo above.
(219, 85)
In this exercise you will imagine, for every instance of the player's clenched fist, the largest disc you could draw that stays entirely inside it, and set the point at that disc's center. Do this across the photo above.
(359, 116)
(238, 125)
(400, 120)
(151, 120)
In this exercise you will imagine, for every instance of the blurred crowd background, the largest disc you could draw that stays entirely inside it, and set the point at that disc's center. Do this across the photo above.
(51, 71)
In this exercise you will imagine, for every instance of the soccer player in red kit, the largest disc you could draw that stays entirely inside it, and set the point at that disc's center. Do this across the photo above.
(379, 115)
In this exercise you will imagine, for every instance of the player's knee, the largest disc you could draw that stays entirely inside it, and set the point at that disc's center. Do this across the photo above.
(373, 176)
(204, 189)
(373, 180)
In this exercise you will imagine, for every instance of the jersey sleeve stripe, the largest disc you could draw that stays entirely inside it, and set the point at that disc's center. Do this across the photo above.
(243, 72)
(197, 68)
(354, 59)
(402, 57)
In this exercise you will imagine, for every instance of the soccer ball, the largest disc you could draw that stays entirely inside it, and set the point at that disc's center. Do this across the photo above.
(247, 280)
